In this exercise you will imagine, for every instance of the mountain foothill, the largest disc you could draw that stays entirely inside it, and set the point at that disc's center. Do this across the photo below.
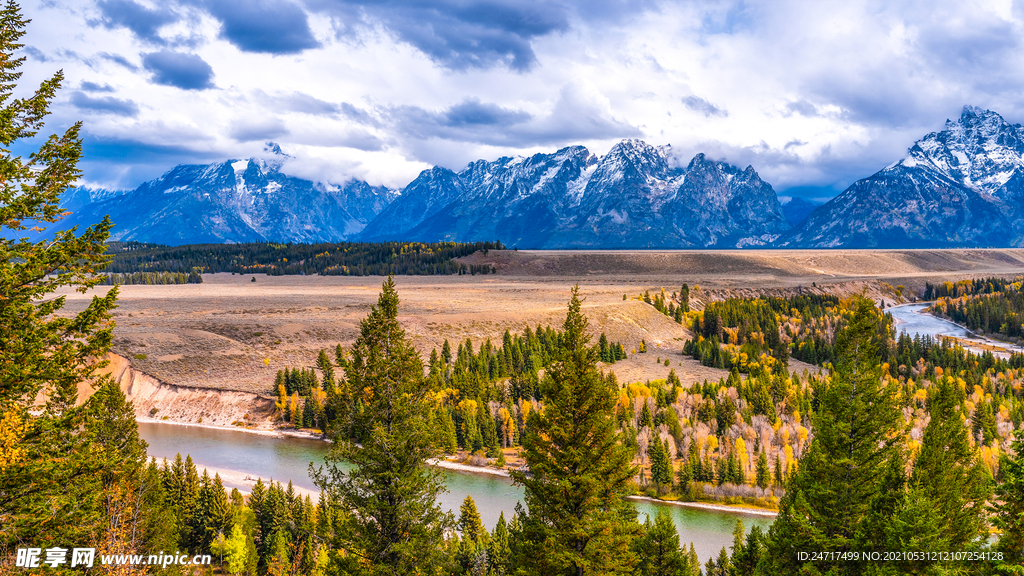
(960, 187)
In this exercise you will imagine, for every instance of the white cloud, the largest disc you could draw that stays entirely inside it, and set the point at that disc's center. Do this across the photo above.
(810, 94)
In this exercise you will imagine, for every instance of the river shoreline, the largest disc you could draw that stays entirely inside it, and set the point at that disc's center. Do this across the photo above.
(245, 481)
(237, 478)
(738, 509)
(1005, 348)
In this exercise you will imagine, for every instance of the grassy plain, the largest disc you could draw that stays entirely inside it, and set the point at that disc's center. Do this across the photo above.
(222, 333)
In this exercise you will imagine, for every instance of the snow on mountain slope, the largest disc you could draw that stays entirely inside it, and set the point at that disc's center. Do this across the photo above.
(961, 186)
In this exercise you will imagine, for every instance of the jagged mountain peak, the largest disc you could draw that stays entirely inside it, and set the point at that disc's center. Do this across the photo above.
(980, 150)
(960, 186)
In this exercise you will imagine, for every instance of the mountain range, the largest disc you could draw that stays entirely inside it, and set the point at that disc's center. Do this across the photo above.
(959, 187)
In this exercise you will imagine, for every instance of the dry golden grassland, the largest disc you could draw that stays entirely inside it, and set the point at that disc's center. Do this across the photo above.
(234, 334)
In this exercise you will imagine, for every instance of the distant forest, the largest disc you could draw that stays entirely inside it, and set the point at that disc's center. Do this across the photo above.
(340, 259)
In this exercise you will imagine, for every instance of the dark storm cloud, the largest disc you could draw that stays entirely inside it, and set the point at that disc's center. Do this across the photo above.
(573, 118)
(142, 21)
(704, 107)
(94, 87)
(456, 34)
(104, 159)
(468, 121)
(185, 71)
(266, 26)
(474, 112)
(104, 105)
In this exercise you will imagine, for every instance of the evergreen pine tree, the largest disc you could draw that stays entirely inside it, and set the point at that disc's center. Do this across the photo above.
(983, 422)
(661, 465)
(451, 440)
(723, 564)
(212, 510)
(684, 477)
(836, 501)
(499, 551)
(326, 368)
(189, 513)
(257, 502)
(660, 554)
(950, 476)
(578, 520)
(746, 557)
(308, 417)
(396, 523)
(764, 475)
(134, 515)
(49, 477)
(694, 561)
(278, 562)
(470, 524)
(645, 415)
(1008, 505)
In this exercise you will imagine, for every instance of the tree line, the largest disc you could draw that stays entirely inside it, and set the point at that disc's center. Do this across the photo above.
(326, 259)
(153, 278)
(968, 287)
(999, 313)
(484, 392)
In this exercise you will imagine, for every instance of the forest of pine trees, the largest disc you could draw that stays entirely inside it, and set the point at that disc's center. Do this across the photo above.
(334, 259)
(483, 393)
(999, 313)
(151, 278)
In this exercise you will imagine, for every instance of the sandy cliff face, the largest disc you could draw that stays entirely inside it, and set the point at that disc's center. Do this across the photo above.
(185, 404)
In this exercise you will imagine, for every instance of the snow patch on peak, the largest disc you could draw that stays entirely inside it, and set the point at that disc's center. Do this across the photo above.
(240, 166)
(576, 188)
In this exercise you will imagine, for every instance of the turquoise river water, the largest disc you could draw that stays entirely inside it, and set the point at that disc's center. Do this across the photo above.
(287, 458)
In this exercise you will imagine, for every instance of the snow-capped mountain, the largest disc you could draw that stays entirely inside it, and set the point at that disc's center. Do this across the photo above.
(962, 186)
(635, 196)
(234, 201)
(518, 200)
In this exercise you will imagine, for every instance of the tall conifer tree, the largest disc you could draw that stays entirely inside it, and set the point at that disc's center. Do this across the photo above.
(578, 520)
(48, 479)
(1008, 507)
(840, 496)
(396, 523)
(950, 477)
(660, 554)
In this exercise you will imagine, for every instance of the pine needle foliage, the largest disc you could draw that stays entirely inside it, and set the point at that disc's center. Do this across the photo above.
(395, 523)
(579, 469)
(847, 484)
(47, 476)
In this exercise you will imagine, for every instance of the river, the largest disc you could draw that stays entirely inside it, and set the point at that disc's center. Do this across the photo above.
(911, 319)
(288, 458)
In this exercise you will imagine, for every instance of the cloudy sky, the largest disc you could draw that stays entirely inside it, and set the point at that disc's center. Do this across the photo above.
(813, 94)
